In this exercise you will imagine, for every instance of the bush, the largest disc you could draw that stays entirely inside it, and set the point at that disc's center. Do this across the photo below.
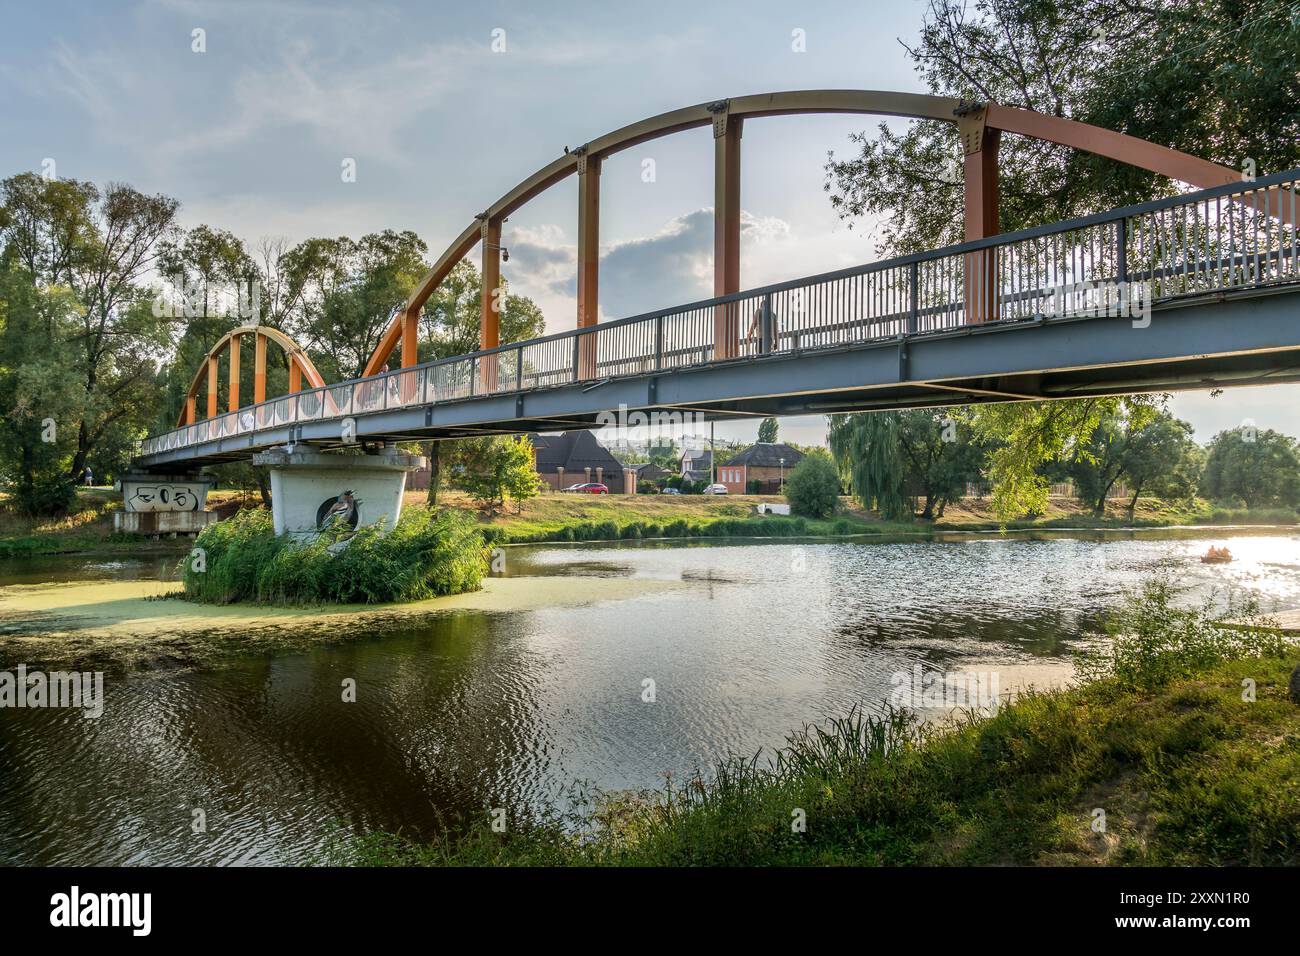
(813, 488)
(46, 495)
(427, 555)
(1154, 642)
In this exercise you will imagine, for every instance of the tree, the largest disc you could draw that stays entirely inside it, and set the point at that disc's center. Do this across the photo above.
(1194, 75)
(767, 431)
(98, 248)
(1151, 449)
(891, 458)
(39, 389)
(865, 447)
(497, 468)
(452, 318)
(1256, 468)
(813, 487)
(208, 271)
(1165, 460)
(351, 289)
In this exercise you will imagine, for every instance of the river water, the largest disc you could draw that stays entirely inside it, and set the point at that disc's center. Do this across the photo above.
(473, 711)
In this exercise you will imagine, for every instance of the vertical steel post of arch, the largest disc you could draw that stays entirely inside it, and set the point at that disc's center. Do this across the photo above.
(726, 229)
(410, 351)
(295, 386)
(212, 386)
(980, 145)
(234, 373)
(259, 368)
(489, 336)
(588, 261)
(410, 337)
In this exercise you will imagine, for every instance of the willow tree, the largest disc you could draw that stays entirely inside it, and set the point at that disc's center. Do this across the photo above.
(869, 454)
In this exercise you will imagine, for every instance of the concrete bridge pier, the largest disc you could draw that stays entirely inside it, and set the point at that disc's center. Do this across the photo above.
(311, 488)
(164, 504)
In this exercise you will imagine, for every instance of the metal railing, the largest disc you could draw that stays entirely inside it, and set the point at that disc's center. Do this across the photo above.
(1233, 237)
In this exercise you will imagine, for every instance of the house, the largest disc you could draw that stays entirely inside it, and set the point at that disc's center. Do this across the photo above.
(573, 458)
(649, 471)
(768, 463)
(697, 465)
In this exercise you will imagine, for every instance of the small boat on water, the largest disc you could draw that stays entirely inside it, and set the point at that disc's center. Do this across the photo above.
(1216, 556)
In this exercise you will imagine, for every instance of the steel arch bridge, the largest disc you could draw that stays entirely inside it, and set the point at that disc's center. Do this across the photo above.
(773, 350)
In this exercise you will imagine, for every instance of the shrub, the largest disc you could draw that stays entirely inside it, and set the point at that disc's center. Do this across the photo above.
(813, 488)
(427, 555)
(1154, 642)
(52, 495)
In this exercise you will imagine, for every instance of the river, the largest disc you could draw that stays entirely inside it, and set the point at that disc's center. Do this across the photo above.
(472, 711)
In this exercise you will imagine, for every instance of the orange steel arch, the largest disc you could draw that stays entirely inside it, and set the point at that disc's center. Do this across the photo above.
(980, 125)
(300, 367)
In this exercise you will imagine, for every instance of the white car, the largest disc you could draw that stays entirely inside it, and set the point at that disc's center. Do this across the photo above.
(715, 490)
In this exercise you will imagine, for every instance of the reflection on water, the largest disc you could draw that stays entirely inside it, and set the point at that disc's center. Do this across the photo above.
(472, 711)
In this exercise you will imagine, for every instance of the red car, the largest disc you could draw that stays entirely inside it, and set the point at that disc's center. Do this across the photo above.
(589, 488)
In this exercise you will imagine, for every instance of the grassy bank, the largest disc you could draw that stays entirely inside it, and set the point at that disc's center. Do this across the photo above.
(556, 517)
(561, 517)
(1162, 743)
(86, 529)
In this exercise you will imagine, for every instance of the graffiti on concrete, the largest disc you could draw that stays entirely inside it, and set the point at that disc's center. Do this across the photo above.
(164, 497)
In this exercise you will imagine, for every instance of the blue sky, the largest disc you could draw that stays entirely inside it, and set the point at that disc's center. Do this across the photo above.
(251, 134)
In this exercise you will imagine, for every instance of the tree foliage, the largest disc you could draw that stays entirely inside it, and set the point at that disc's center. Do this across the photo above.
(813, 487)
(767, 430)
(1258, 468)
(496, 468)
(81, 339)
(889, 459)
(1150, 451)
(1218, 79)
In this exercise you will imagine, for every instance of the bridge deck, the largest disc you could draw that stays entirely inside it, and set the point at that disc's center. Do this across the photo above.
(1203, 285)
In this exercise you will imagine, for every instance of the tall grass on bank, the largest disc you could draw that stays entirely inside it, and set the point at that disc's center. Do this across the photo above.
(427, 555)
(1188, 770)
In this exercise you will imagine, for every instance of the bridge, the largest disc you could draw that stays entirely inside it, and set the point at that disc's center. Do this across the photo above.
(1190, 292)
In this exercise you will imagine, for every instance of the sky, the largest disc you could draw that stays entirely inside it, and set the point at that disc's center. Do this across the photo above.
(443, 107)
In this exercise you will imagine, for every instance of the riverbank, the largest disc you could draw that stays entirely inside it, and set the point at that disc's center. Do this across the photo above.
(567, 517)
(117, 625)
(87, 529)
(1165, 760)
(571, 517)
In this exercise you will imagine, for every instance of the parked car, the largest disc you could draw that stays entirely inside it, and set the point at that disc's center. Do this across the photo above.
(671, 491)
(589, 488)
(715, 490)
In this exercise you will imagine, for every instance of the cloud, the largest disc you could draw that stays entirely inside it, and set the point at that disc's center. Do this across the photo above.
(675, 265)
